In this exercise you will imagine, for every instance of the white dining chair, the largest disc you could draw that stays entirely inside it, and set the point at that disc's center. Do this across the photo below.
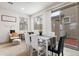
(27, 41)
(51, 33)
(44, 33)
(35, 44)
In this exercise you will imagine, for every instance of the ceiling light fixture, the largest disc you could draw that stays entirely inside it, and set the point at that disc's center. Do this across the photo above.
(10, 3)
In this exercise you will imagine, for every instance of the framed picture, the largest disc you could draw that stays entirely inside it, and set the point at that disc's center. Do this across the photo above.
(7, 18)
(66, 20)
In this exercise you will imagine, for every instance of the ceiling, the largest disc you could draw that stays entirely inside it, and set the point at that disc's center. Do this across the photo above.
(28, 8)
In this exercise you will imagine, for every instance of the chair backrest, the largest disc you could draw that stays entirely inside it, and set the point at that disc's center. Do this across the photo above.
(61, 44)
(53, 42)
(48, 33)
(34, 41)
(27, 40)
(12, 31)
(36, 32)
(44, 33)
(51, 33)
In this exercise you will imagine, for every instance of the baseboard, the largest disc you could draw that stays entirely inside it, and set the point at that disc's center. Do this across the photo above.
(4, 43)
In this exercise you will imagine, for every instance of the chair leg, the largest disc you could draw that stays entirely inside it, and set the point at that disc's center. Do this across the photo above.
(62, 53)
(52, 53)
(58, 54)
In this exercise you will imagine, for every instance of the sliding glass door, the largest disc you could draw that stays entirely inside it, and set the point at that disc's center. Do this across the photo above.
(68, 17)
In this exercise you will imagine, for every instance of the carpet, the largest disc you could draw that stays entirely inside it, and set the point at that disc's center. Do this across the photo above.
(71, 41)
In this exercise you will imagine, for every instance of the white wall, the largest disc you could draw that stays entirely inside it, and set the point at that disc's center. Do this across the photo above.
(6, 26)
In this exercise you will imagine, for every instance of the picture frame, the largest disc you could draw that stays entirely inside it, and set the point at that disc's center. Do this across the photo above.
(66, 20)
(7, 18)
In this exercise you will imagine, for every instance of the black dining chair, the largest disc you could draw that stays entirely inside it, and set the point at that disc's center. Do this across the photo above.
(60, 47)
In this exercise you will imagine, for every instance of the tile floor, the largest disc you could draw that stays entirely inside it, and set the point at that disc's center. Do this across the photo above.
(20, 50)
(70, 52)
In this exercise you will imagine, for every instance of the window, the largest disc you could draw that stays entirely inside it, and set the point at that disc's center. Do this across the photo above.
(38, 23)
(66, 20)
(23, 23)
(57, 13)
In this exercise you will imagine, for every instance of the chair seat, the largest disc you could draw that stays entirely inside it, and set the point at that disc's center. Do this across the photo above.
(16, 41)
(49, 48)
(14, 37)
(53, 49)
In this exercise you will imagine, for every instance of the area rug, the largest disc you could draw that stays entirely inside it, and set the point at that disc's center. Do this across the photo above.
(71, 41)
